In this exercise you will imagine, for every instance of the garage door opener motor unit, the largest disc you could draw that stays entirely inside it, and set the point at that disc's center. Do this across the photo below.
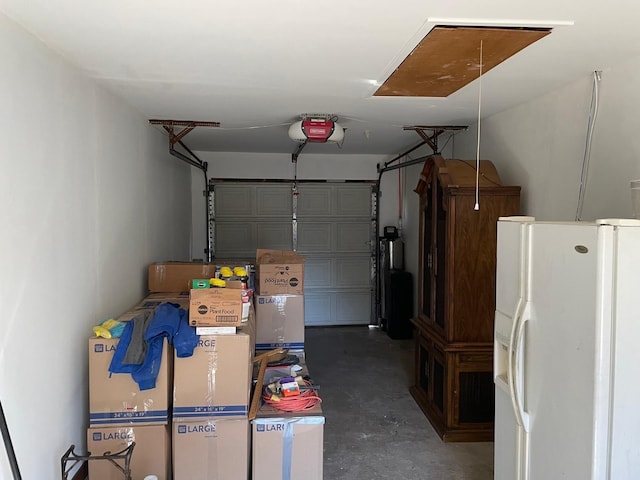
(316, 128)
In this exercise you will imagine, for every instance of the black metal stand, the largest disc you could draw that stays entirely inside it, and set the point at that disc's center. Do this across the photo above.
(70, 459)
(9, 446)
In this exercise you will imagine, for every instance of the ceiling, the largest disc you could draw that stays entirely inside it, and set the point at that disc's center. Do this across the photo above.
(255, 66)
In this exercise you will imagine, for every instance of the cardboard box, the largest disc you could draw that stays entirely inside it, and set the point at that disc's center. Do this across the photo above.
(177, 276)
(151, 453)
(279, 321)
(115, 399)
(279, 272)
(216, 449)
(153, 300)
(287, 446)
(215, 382)
(212, 307)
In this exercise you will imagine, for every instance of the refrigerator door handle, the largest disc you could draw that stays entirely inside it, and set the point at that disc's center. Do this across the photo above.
(510, 356)
(517, 372)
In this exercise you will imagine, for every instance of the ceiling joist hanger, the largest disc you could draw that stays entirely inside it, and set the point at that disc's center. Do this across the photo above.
(189, 125)
(432, 140)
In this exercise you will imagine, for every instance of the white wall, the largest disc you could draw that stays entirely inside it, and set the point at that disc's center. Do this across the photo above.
(540, 146)
(88, 197)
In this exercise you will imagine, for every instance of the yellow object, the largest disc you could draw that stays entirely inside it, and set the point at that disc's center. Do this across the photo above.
(109, 324)
(239, 272)
(104, 329)
(217, 282)
(100, 331)
(226, 272)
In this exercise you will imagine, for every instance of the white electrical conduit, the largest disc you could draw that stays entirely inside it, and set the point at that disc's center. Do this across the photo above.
(593, 113)
(477, 204)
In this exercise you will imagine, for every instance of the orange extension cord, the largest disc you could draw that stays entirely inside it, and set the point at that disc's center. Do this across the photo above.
(305, 401)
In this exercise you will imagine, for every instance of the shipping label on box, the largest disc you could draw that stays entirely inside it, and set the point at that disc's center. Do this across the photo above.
(279, 272)
(288, 447)
(216, 380)
(150, 456)
(212, 307)
(216, 449)
(116, 399)
(177, 276)
(279, 321)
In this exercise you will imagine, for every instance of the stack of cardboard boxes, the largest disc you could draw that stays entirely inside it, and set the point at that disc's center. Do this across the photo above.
(280, 300)
(211, 403)
(194, 423)
(120, 413)
(285, 444)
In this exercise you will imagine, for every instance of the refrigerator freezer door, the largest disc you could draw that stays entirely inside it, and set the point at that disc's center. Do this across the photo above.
(510, 268)
(559, 349)
(510, 437)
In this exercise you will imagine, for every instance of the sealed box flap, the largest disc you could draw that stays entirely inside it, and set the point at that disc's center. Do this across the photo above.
(266, 256)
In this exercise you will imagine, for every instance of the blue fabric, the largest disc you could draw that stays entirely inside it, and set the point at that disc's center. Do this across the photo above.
(167, 322)
(185, 340)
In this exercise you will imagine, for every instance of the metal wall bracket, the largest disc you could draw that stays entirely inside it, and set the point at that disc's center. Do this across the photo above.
(432, 140)
(189, 125)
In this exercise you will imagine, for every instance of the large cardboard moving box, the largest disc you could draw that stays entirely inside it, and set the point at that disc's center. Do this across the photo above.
(279, 272)
(177, 276)
(279, 321)
(116, 399)
(216, 380)
(151, 453)
(288, 446)
(216, 449)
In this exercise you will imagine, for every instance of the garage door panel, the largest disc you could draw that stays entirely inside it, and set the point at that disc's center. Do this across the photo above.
(353, 201)
(273, 201)
(353, 308)
(234, 201)
(314, 201)
(318, 308)
(239, 238)
(353, 272)
(333, 231)
(353, 237)
(314, 237)
(274, 235)
(317, 273)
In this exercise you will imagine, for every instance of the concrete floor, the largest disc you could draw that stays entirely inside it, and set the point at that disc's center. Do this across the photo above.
(374, 429)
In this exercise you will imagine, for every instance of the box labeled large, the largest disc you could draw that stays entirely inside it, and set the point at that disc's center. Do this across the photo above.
(213, 307)
(279, 321)
(151, 453)
(214, 382)
(279, 272)
(216, 449)
(116, 399)
(288, 446)
(177, 276)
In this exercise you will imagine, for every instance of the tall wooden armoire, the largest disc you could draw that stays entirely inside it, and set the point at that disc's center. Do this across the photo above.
(453, 381)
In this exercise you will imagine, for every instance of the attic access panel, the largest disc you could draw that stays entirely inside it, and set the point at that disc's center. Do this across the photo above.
(447, 59)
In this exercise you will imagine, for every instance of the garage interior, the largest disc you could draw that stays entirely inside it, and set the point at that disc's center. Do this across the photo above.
(136, 134)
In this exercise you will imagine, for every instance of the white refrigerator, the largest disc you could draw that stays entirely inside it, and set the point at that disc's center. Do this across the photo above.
(567, 350)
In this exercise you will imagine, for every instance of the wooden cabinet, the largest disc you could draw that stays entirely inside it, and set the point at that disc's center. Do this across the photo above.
(453, 382)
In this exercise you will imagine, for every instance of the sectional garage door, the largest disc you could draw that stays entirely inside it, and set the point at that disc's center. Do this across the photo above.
(330, 223)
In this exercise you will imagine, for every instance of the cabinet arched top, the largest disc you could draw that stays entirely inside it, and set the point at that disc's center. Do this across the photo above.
(454, 173)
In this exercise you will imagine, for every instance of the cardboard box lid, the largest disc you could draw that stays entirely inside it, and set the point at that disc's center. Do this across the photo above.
(266, 256)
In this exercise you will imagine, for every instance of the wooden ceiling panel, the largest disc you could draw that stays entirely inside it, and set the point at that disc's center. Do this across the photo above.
(448, 58)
